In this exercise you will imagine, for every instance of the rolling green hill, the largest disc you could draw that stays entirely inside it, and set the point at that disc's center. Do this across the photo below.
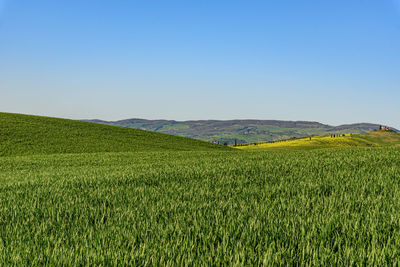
(241, 131)
(27, 135)
(371, 139)
(203, 205)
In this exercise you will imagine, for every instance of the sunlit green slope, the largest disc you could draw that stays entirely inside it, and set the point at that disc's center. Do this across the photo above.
(27, 135)
(372, 139)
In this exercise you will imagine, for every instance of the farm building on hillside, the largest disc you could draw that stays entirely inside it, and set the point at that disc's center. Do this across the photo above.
(384, 128)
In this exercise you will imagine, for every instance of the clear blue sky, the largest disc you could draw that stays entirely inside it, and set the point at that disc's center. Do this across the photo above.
(332, 61)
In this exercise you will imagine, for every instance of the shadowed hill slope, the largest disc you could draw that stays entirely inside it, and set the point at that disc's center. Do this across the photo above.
(27, 135)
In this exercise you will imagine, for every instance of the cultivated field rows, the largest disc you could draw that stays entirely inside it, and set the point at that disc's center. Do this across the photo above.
(338, 206)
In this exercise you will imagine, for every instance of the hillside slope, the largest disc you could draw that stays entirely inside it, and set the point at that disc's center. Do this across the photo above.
(243, 131)
(372, 139)
(27, 135)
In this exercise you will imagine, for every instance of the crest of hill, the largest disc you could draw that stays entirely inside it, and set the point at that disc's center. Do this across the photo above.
(371, 139)
(28, 135)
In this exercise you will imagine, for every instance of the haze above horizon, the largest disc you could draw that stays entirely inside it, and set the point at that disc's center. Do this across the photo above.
(334, 62)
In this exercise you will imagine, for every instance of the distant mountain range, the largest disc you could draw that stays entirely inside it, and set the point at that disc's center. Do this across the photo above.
(243, 131)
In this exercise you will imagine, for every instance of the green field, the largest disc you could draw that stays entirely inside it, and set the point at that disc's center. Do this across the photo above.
(207, 205)
(29, 135)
